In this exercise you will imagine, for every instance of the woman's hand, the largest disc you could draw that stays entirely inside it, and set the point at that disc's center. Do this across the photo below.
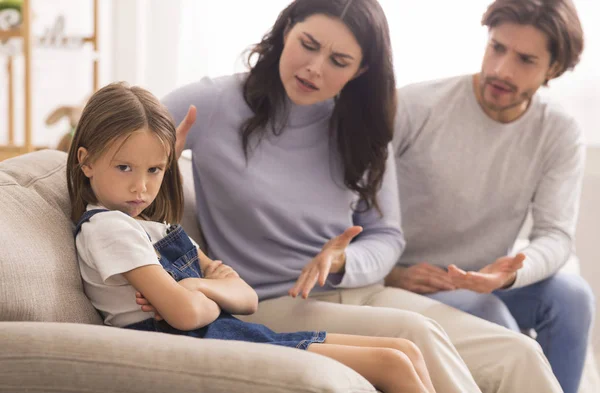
(331, 259)
(183, 128)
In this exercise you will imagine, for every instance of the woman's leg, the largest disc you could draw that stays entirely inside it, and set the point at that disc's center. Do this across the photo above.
(405, 346)
(501, 361)
(389, 370)
(448, 372)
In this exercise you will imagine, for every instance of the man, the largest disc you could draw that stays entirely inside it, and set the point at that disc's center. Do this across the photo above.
(475, 154)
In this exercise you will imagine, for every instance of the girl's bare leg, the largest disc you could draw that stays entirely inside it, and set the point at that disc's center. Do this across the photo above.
(403, 345)
(389, 370)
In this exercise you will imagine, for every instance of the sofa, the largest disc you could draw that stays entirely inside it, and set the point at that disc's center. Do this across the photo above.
(53, 340)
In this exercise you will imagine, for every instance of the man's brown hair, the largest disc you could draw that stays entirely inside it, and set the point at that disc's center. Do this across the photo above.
(556, 18)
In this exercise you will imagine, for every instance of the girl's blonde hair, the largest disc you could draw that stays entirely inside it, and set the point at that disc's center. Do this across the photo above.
(111, 115)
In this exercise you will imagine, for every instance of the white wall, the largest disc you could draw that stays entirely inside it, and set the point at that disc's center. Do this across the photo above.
(431, 39)
(146, 43)
(163, 44)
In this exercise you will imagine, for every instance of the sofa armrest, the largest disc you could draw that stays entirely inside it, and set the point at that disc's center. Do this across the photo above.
(65, 357)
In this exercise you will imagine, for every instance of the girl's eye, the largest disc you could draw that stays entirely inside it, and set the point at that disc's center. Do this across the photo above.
(154, 170)
(123, 168)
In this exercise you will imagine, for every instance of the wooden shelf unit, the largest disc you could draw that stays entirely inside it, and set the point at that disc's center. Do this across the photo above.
(24, 32)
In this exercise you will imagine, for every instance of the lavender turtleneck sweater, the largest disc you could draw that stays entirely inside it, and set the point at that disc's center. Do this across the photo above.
(267, 217)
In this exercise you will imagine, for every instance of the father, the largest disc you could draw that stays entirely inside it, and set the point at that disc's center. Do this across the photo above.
(474, 155)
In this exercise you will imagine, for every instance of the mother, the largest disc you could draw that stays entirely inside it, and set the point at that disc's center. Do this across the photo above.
(291, 162)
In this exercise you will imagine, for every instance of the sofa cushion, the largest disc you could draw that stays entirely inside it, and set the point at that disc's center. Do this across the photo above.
(39, 275)
(64, 357)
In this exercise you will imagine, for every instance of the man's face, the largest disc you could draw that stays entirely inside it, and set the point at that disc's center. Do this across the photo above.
(516, 63)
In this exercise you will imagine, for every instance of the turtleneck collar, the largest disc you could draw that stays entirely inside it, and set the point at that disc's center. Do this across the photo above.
(304, 115)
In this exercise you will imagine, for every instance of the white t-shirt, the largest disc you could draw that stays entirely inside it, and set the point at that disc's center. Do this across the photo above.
(109, 244)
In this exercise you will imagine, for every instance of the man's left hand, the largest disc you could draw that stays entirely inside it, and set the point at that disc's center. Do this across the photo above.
(500, 274)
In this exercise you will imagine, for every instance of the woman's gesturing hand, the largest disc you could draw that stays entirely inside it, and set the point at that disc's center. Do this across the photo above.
(331, 259)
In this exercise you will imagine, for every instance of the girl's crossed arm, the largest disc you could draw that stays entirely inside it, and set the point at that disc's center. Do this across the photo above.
(183, 307)
(223, 285)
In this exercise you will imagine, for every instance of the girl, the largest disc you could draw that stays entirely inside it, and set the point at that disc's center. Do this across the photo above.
(125, 187)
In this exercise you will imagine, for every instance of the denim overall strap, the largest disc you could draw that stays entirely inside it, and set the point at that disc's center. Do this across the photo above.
(178, 255)
(85, 217)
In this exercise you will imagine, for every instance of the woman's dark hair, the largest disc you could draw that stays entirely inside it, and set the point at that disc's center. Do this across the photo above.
(362, 121)
(556, 18)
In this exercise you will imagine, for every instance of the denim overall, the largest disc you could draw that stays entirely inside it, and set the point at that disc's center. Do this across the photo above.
(179, 257)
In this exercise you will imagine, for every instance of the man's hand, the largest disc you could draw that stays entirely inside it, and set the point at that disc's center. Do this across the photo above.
(422, 278)
(500, 274)
(331, 259)
(183, 128)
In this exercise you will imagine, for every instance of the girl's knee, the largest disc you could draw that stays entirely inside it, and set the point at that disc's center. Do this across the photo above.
(407, 347)
(395, 371)
(393, 360)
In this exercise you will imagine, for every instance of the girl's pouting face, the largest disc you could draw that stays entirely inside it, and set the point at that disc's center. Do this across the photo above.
(127, 177)
(320, 55)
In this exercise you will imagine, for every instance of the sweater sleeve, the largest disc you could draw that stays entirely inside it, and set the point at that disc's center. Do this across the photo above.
(375, 251)
(555, 208)
(203, 95)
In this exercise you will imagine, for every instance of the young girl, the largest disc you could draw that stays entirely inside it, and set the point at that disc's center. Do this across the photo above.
(125, 186)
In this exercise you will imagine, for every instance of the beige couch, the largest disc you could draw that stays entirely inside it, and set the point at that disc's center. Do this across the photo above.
(52, 340)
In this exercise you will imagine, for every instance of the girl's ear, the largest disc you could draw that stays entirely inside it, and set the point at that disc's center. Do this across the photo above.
(82, 154)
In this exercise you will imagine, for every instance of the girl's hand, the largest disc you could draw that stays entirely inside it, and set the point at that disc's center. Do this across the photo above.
(217, 270)
(183, 128)
(146, 306)
(332, 258)
(193, 284)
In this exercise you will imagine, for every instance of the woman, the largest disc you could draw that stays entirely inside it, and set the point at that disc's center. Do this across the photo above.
(292, 189)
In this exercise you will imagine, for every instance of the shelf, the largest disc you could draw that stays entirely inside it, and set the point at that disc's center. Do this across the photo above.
(23, 32)
(6, 34)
